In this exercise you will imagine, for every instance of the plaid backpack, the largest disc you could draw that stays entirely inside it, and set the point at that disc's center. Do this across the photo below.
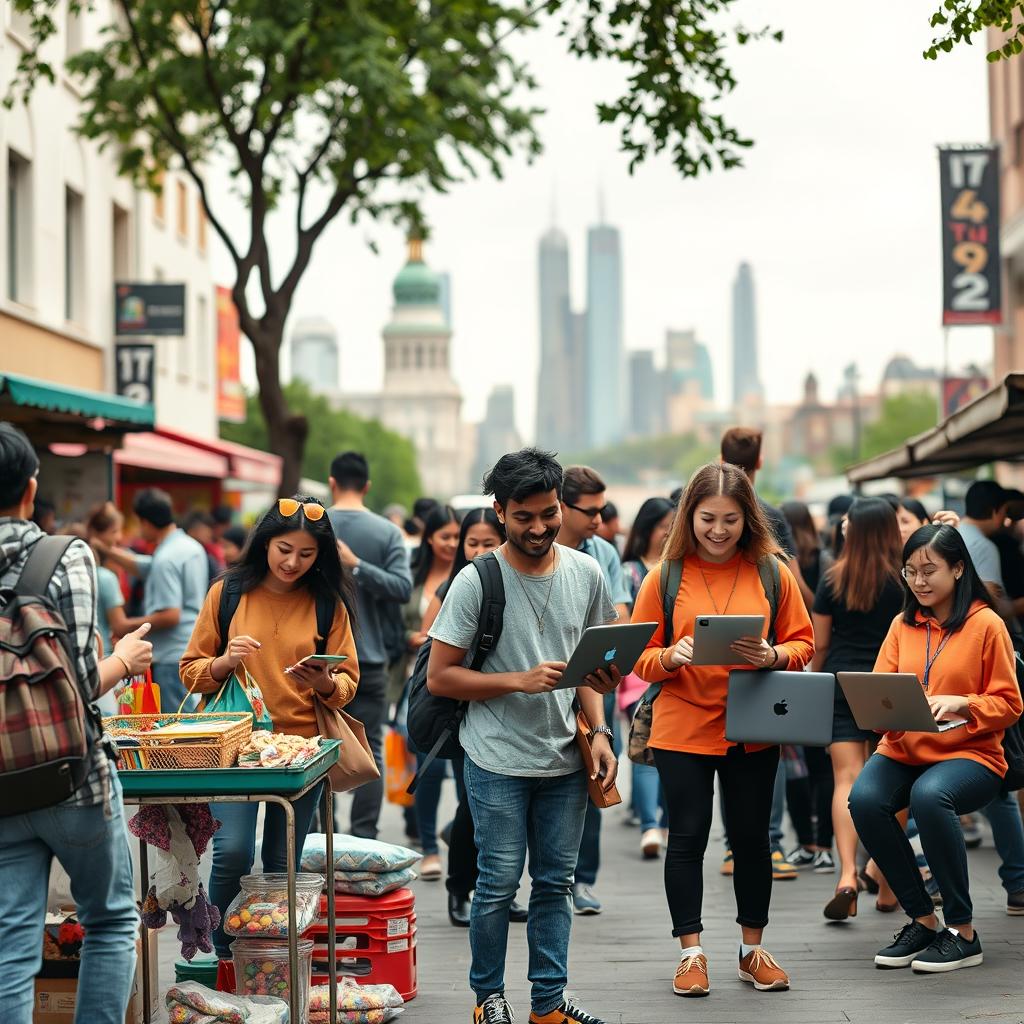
(45, 740)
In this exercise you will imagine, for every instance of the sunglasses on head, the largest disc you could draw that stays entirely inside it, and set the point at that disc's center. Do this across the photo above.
(310, 509)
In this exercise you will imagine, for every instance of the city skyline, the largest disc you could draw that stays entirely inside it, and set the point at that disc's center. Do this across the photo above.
(794, 212)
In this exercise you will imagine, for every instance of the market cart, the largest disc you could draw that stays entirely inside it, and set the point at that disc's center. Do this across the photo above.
(245, 785)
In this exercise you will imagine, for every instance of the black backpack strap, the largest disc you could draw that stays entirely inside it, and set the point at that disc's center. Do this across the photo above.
(771, 580)
(492, 608)
(43, 559)
(325, 608)
(671, 580)
(230, 596)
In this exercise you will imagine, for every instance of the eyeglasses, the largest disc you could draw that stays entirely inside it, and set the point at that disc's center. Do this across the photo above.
(311, 509)
(590, 513)
(911, 574)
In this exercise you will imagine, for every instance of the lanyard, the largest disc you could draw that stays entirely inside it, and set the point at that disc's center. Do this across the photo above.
(928, 659)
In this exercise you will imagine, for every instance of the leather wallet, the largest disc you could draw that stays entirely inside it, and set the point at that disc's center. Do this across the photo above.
(584, 739)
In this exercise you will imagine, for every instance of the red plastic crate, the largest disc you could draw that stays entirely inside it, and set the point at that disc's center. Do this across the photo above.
(366, 938)
(372, 968)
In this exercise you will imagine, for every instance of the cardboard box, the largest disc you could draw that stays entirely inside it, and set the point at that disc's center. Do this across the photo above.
(55, 997)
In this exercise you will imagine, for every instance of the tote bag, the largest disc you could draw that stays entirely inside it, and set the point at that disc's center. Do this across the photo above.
(356, 764)
(235, 695)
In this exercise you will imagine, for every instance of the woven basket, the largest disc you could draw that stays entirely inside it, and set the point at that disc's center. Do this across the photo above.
(219, 752)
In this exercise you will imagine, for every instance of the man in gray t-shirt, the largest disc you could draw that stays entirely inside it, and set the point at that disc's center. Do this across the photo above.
(523, 771)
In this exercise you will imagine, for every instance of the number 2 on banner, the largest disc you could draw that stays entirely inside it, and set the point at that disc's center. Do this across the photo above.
(971, 292)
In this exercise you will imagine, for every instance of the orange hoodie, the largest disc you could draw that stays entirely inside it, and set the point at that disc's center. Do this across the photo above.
(689, 714)
(977, 662)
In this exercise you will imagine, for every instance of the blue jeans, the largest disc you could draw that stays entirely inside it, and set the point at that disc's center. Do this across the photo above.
(91, 843)
(514, 814)
(937, 794)
(234, 850)
(428, 796)
(172, 690)
(648, 802)
(1003, 815)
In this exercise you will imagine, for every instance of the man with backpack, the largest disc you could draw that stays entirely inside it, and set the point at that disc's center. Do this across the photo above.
(523, 769)
(59, 795)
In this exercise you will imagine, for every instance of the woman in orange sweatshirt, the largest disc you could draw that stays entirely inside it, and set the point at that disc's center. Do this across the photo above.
(290, 560)
(951, 638)
(721, 535)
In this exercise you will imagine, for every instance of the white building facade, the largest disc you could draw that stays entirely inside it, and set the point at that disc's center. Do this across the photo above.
(72, 228)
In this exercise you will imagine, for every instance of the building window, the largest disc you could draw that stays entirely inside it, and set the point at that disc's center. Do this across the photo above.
(200, 225)
(203, 359)
(419, 357)
(74, 255)
(182, 198)
(122, 231)
(160, 200)
(405, 357)
(19, 227)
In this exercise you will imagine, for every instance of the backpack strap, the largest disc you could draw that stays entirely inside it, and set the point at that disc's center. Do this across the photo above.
(768, 570)
(671, 580)
(230, 597)
(492, 608)
(325, 609)
(43, 559)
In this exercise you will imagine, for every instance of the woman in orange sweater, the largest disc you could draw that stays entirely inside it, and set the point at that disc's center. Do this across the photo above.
(721, 535)
(952, 639)
(290, 560)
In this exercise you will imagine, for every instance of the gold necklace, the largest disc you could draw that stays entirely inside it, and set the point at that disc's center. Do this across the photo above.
(547, 600)
(707, 587)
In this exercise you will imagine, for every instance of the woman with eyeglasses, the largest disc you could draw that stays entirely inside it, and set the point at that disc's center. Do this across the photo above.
(289, 562)
(952, 639)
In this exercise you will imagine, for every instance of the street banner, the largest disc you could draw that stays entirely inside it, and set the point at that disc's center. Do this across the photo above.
(959, 391)
(142, 310)
(971, 271)
(230, 394)
(134, 371)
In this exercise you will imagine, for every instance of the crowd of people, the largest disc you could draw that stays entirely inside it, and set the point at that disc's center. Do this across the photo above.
(880, 585)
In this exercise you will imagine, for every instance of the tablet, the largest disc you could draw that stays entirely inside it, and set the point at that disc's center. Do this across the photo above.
(604, 646)
(713, 636)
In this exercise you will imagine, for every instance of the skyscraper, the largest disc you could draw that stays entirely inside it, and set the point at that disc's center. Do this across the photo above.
(497, 433)
(315, 354)
(746, 380)
(606, 372)
(553, 423)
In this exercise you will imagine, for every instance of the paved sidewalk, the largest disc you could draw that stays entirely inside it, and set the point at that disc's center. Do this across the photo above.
(622, 961)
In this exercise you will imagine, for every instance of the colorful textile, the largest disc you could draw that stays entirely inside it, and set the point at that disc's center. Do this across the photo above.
(352, 853)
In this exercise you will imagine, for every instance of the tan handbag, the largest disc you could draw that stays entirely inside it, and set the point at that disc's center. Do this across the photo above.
(595, 787)
(355, 764)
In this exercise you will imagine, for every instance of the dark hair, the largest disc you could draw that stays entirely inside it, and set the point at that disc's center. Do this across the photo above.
(870, 555)
(948, 544)
(154, 506)
(916, 509)
(983, 499)
(422, 507)
(722, 478)
(198, 517)
(103, 517)
(839, 505)
(350, 471)
(677, 495)
(326, 577)
(518, 475)
(580, 480)
(437, 519)
(741, 446)
(474, 517)
(894, 500)
(18, 464)
(805, 533)
(609, 512)
(237, 535)
(222, 514)
(651, 512)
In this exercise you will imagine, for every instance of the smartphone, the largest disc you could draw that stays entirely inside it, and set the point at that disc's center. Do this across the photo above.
(319, 659)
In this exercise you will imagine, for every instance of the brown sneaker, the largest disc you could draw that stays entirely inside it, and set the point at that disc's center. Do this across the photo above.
(691, 975)
(760, 969)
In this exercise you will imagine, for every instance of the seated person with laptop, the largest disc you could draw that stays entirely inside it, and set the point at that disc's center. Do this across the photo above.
(950, 638)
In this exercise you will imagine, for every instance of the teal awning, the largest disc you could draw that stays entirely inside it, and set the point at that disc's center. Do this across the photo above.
(77, 401)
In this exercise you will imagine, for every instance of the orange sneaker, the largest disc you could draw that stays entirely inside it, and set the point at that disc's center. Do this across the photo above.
(761, 970)
(567, 1013)
(691, 975)
(494, 1010)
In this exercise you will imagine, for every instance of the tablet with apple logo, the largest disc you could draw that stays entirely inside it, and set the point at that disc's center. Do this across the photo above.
(600, 647)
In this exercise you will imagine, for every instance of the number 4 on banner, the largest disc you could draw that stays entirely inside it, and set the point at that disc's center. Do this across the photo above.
(969, 207)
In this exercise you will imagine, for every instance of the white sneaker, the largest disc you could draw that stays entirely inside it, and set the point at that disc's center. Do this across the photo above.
(650, 843)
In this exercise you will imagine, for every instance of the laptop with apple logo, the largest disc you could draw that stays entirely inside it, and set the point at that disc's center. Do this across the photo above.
(891, 702)
(780, 707)
(600, 647)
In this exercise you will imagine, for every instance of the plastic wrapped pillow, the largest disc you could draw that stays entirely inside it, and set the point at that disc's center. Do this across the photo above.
(375, 885)
(354, 854)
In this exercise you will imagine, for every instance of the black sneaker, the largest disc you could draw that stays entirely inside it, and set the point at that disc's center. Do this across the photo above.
(801, 857)
(912, 940)
(494, 1010)
(949, 952)
(1015, 903)
(823, 863)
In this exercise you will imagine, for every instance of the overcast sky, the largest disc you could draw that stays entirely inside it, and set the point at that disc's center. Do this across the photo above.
(837, 210)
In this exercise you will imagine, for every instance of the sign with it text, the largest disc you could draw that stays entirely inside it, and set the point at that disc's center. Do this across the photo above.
(134, 371)
(971, 270)
(142, 310)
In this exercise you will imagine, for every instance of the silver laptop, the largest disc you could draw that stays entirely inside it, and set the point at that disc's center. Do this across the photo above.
(891, 702)
(604, 646)
(780, 707)
(713, 636)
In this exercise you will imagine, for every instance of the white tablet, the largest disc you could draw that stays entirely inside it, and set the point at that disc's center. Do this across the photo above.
(604, 646)
(714, 635)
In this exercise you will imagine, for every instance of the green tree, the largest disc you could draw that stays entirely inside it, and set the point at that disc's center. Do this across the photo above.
(903, 417)
(363, 108)
(961, 20)
(392, 458)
